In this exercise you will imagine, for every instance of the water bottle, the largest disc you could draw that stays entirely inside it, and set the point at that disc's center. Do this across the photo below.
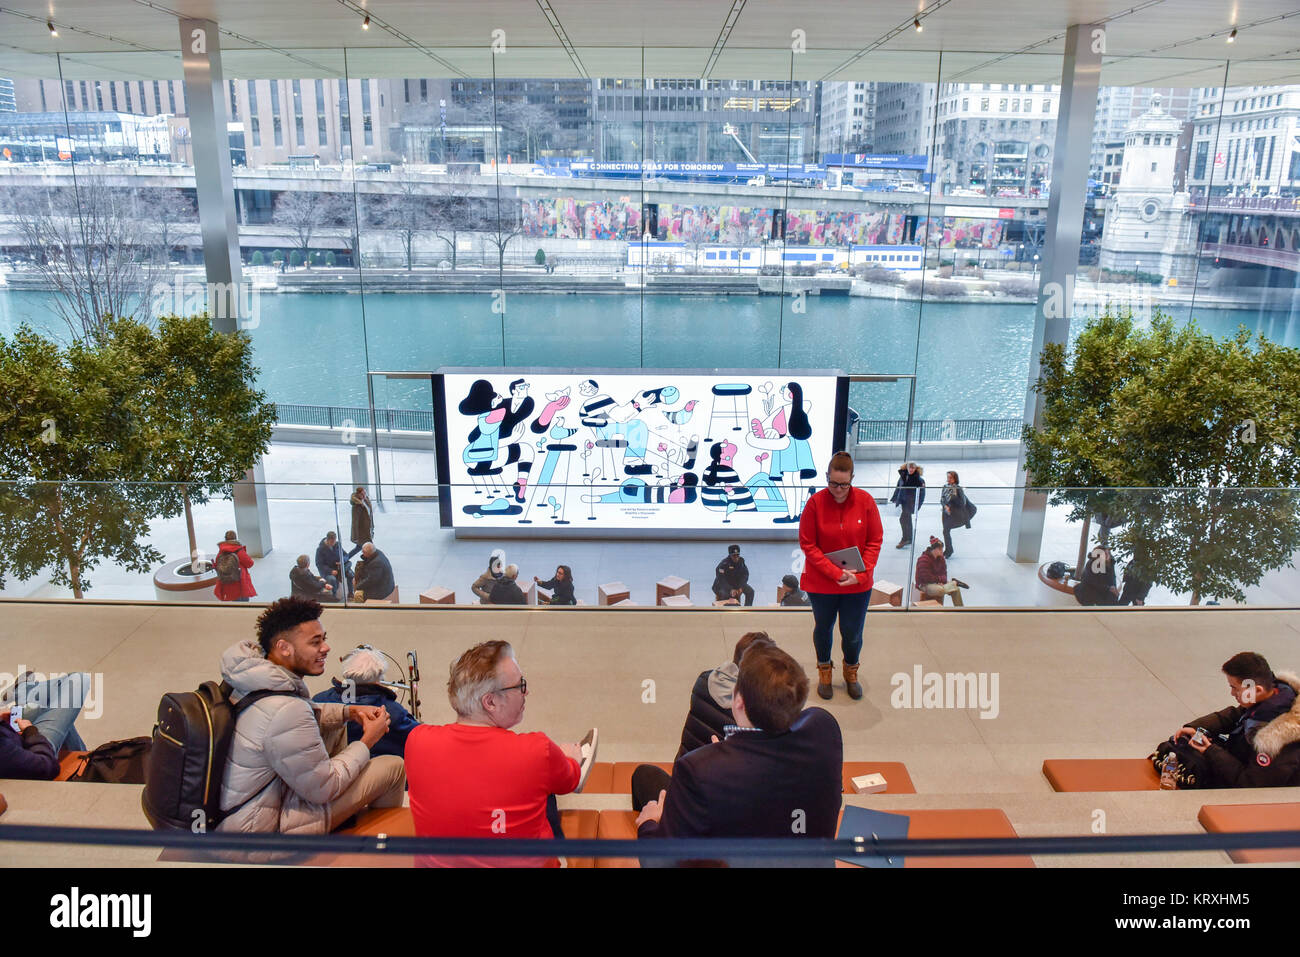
(1167, 769)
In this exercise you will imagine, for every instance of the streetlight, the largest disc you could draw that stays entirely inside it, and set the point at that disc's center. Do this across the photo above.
(1035, 265)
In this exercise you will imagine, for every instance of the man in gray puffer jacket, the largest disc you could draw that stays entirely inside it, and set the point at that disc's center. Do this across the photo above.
(291, 769)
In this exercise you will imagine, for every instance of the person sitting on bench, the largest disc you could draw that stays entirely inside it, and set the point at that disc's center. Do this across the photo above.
(49, 709)
(932, 575)
(731, 579)
(1257, 743)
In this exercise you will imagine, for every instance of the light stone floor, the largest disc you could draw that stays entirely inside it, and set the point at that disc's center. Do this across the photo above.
(422, 554)
(1085, 683)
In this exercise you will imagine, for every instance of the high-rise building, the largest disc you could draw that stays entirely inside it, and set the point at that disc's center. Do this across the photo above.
(1119, 106)
(996, 138)
(846, 119)
(1251, 146)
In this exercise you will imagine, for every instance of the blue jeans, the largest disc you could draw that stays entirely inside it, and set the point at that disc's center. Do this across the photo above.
(852, 611)
(53, 705)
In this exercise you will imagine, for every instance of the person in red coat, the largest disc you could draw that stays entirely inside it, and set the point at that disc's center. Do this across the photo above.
(243, 589)
(839, 516)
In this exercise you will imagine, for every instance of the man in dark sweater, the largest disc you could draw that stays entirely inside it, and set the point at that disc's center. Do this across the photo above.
(710, 710)
(25, 753)
(507, 591)
(776, 774)
(374, 577)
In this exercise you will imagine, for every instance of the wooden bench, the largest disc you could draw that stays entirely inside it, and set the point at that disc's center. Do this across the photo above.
(897, 780)
(69, 764)
(1101, 774)
(616, 778)
(677, 601)
(611, 593)
(3, 805)
(437, 595)
(671, 585)
(958, 823)
(886, 593)
(1242, 818)
(393, 822)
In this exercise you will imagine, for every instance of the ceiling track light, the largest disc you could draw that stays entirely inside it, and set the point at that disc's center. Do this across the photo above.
(365, 24)
(916, 22)
(49, 24)
(1233, 35)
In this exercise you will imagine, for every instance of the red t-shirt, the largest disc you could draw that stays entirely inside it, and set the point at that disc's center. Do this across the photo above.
(472, 781)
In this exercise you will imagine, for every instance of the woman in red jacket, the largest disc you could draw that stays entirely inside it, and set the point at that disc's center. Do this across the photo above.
(227, 588)
(839, 516)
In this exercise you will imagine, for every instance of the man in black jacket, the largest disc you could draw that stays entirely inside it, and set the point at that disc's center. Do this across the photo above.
(777, 773)
(731, 579)
(304, 584)
(1256, 744)
(710, 710)
(374, 576)
(507, 591)
(330, 563)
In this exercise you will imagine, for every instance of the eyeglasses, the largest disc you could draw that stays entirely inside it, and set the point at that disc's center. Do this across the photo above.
(522, 687)
(839, 484)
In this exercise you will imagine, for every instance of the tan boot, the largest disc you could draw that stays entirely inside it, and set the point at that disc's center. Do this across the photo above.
(851, 680)
(824, 672)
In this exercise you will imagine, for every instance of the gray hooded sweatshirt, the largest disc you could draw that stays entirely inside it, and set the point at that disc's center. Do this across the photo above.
(278, 756)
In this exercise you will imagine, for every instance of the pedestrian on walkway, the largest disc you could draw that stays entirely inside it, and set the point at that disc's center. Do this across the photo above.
(957, 510)
(909, 496)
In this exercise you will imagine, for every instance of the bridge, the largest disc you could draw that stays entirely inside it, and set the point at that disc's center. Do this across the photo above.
(1260, 230)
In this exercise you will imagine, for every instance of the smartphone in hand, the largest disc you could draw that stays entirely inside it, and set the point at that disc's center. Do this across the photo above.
(15, 715)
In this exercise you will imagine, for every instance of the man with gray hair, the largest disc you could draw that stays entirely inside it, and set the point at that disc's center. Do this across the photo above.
(374, 577)
(507, 591)
(476, 777)
(362, 683)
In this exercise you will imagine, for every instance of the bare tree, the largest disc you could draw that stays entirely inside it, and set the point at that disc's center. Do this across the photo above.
(452, 211)
(174, 218)
(95, 244)
(407, 210)
(501, 220)
(305, 214)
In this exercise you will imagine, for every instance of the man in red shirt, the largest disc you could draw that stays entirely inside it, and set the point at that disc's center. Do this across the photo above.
(476, 777)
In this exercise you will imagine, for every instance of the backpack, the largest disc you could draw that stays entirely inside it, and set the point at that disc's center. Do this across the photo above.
(191, 743)
(116, 762)
(1056, 571)
(228, 569)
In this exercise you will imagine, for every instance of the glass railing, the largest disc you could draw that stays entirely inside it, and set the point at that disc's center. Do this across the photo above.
(1096, 547)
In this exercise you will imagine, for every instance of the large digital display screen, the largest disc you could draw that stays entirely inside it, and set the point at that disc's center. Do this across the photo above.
(633, 449)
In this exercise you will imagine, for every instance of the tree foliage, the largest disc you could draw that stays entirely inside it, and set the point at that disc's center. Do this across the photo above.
(100, 437)
(1190, 444)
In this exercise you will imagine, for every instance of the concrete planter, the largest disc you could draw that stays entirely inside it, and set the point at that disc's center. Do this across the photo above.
(169, 584)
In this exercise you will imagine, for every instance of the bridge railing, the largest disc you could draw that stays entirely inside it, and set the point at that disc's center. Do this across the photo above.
(867, 430)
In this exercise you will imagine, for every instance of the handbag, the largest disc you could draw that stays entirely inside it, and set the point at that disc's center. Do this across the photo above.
(1193, 770)
(117, 762)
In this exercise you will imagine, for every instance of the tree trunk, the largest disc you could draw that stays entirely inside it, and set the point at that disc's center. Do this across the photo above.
(74, 572)
(1083, 547)
(189, 523)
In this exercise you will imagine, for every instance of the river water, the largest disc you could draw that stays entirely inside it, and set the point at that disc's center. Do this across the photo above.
(971, 360)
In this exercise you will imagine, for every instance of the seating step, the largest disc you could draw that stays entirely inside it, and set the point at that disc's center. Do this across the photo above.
(958, 823)
(1101, 774)
(616, 778)
(1240, 818)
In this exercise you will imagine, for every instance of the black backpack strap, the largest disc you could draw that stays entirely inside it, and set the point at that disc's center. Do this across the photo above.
(255, 696)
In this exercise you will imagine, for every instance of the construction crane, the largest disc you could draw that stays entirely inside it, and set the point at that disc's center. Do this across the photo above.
(729, 130)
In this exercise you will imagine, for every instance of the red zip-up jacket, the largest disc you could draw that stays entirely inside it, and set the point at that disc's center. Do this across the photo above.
(827, 526)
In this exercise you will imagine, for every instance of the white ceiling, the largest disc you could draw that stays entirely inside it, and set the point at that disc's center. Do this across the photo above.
(1148, 42)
